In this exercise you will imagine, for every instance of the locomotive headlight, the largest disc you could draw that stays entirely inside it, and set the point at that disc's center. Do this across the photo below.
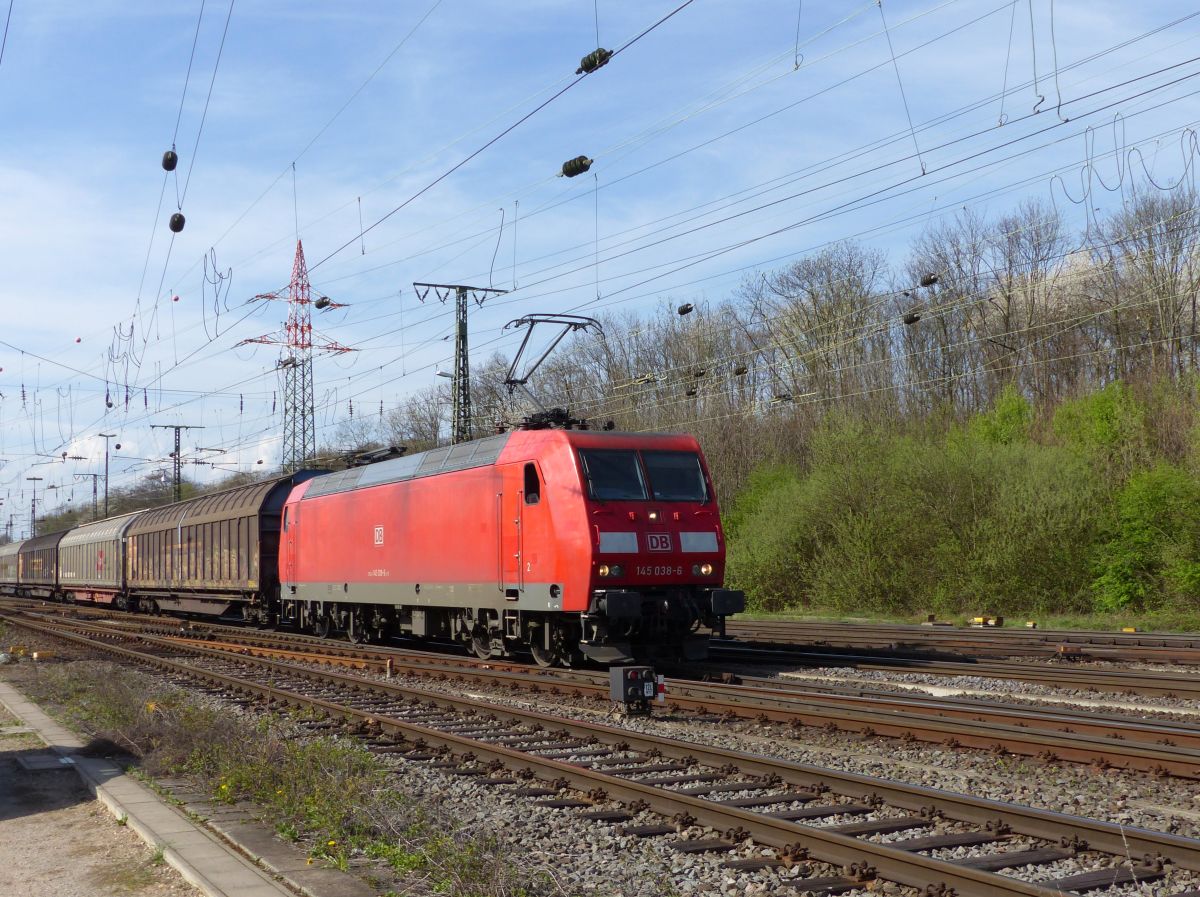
(603, 570)
(695, 569)
(654, 515)
(616, 570)
(706, 569)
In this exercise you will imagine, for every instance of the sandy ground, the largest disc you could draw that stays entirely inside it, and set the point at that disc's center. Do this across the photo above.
(54, 839)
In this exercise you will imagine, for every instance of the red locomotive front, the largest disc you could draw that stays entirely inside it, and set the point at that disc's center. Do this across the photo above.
(658, 550)
(555, 541)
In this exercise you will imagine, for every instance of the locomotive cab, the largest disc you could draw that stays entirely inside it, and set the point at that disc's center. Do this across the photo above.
(658, 559)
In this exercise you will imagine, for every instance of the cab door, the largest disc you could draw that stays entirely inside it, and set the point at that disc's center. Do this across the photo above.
(291, 520)
(510, 508)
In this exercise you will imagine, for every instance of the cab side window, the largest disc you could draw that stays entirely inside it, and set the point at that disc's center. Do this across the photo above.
(533, 487)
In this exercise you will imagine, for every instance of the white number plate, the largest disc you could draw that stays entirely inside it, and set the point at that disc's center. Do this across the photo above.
(666, 570)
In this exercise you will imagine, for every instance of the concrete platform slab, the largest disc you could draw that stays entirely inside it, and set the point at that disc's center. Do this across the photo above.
(43, 762)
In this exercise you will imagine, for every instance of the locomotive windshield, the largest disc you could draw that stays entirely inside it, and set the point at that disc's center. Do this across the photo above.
(675, 476)
(613, 475)
(617, 476)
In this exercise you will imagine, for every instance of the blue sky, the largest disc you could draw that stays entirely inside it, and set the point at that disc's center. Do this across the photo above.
(705, 117)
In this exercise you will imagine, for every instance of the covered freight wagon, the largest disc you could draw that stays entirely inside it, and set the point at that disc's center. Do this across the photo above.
(213, 555)
(37, 566)
(8, 567)
(91, 562)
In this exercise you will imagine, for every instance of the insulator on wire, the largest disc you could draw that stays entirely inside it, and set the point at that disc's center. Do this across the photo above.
(594, 60)
(910, 318)
(782, 397)
(177, 222)
(323, 302)
(691, 390)
(170, 160)
(929, 280)
(741, 370)
(575, 167)
(686, 309)
(699, 372)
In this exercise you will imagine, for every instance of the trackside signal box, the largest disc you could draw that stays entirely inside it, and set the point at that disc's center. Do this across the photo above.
(634, 688)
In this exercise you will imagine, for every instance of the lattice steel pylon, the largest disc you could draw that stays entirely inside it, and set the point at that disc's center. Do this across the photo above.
(297, 343)
(460, 430)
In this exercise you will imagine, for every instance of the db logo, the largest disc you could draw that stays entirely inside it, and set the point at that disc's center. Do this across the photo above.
(379, 535)
(658, 541)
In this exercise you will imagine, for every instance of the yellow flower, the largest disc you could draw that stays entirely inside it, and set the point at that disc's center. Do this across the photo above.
(310, 861)
(333, 843)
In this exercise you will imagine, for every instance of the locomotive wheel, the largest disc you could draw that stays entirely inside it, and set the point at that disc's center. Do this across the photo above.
(543, 657)
(558, 654)
(356, 629)
(481, 644)
(321, 625)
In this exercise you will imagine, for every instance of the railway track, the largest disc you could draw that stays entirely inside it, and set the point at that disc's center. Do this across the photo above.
(1059, 675)
(1154, 647)
(804, 814)
(1056, 675)
(1103, 741)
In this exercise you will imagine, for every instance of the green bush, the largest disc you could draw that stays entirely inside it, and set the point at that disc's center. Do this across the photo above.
(1108, 427)
(978, 519)
(1152, 554)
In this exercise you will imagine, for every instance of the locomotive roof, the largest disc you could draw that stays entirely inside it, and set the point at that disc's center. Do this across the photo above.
(465, 455)
(476, 453)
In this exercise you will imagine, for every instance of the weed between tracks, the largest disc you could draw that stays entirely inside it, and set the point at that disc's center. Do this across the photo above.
(327, 792)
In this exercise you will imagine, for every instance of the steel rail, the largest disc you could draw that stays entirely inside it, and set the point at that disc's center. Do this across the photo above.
(1143, 682)
(825, 846)
(1118, 743)
(781, 706)
(977, 641)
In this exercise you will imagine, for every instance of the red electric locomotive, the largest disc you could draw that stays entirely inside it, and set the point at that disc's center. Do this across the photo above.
(559, 542)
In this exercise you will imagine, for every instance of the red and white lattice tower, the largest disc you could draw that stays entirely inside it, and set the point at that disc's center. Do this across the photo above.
(296, 346)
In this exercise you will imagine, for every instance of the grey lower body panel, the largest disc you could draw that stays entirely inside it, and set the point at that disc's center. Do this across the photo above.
(533, 597)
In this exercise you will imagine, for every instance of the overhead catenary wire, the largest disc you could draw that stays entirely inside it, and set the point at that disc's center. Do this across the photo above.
(824, 164)
(7, 22)
(900, 83)
(441, 177)
(207, 100)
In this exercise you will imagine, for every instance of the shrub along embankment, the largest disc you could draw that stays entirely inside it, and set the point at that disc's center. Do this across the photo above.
(1091, 507)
